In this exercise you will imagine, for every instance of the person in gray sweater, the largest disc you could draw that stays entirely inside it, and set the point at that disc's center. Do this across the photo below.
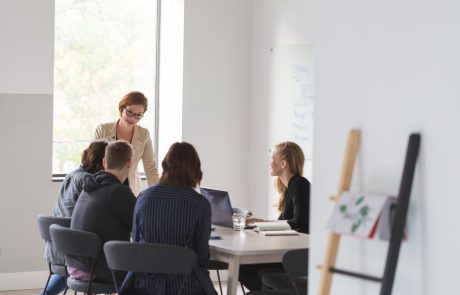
(72, 185)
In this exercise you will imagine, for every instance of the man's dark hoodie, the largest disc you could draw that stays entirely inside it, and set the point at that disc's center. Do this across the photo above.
(105, 207)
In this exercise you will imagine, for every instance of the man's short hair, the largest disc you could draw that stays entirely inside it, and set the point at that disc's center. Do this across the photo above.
(117, 154)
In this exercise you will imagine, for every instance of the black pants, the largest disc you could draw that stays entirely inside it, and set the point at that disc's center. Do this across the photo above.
(250, 274)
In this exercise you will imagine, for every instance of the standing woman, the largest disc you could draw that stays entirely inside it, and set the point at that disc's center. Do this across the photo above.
(132, 108)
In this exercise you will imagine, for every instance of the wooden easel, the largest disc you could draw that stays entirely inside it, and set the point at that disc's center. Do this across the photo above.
(397, 232)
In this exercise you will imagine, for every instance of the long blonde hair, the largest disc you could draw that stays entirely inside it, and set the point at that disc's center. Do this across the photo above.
(293, 155)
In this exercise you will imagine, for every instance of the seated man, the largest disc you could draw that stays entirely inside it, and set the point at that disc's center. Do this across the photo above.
(105, 207)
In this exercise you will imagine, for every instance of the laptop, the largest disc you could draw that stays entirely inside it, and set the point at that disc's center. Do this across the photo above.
(221, 208)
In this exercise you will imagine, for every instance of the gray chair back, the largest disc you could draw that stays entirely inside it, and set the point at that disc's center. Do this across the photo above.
(78, 243)
(44, 223)
(75, 242)
(295, 262)
(149, 258)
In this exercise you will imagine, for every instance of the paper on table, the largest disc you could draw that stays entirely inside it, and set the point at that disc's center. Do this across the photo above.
(286, 232)
(272, 225)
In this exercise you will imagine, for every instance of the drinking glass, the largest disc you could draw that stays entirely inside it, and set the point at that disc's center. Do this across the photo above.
(239, 221)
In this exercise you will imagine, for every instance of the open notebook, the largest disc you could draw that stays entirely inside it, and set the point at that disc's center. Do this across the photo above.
(275, 228)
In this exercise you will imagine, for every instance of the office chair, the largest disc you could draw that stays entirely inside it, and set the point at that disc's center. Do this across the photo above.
(295, 278)
(218, 265)
(44, 223)
(149, 258)
(82, 244)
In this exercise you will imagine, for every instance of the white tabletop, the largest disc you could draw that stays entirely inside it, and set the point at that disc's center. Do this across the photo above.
(249, 247)
(249, 242)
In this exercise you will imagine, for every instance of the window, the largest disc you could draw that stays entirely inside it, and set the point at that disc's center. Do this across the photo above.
(103, 50)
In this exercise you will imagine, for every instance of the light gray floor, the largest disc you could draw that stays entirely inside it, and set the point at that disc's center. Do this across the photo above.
(37, 291)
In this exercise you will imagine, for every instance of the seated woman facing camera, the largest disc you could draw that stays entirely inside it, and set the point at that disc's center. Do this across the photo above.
(286, 164)
(173, 213)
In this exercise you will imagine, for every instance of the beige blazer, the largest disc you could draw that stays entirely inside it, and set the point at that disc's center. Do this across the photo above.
(142, 149)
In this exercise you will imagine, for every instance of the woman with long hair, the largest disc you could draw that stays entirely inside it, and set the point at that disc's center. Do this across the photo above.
(174, 213)
(286, 164)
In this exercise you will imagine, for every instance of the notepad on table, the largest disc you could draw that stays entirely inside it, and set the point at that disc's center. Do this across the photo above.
(275, 228)
(285, 232)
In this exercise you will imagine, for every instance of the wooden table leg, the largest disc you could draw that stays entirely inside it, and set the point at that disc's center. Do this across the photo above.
(233, 272)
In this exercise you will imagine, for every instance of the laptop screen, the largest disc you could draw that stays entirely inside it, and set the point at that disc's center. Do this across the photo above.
(221, 207)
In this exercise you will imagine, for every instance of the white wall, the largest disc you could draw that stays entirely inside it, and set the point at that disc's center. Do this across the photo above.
(390, 68)
(216, 91)
(26, 53)
(26, 86)
(274, 22)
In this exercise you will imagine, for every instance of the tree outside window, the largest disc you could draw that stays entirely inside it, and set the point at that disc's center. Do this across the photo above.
(103, 50)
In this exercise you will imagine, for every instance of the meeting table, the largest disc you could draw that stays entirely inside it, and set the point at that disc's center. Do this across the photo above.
(250, 247)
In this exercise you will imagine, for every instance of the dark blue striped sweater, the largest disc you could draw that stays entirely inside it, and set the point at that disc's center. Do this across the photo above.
(174, 216)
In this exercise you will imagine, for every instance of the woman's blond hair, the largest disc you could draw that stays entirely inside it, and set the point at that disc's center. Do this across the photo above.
(293, 155)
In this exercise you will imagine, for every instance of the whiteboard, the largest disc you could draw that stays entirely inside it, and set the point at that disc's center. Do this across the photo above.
(291, 102)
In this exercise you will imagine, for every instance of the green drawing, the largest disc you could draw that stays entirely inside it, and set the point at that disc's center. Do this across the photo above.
(357, 214)
(357, 217)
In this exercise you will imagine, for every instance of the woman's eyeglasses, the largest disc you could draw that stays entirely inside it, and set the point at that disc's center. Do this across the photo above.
(134, 115)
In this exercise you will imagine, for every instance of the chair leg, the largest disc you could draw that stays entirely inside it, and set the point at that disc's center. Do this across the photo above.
(66, 277)
(220, 284)
(242, 288)
(48, 280)
(295, 288)
(46, 285)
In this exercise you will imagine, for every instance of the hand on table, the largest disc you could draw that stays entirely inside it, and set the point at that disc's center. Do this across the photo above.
(255, 219)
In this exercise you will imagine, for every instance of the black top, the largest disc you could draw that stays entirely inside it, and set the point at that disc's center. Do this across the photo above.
(105, 207)
(174, 216)
(297, 204)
